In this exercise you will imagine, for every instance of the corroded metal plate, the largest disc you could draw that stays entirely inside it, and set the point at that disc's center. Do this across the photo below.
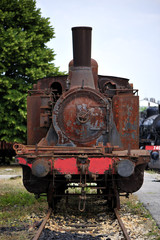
(81, 116)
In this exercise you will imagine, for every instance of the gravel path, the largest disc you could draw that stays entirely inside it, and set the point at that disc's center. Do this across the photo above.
(149, 195)
(11, 172)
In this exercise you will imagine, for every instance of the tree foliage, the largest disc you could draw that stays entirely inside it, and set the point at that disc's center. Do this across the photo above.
(24, 58)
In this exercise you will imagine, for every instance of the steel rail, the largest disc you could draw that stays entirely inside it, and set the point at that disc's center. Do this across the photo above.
(121, 224)
(36, 237)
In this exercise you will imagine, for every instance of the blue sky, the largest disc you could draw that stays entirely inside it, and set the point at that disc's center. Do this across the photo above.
(125, 37)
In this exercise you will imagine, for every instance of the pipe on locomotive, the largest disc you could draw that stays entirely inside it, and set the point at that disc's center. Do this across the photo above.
(81, 72)
(82, 46)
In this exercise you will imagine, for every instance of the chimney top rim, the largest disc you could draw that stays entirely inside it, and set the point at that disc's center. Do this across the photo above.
(82, 28)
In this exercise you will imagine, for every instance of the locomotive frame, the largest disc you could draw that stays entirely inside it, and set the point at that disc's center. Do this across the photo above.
(83, 128)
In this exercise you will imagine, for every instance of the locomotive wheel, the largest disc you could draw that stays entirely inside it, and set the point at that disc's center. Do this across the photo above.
(52, 199)
(50, 196)
(111, 203)
(114, 202)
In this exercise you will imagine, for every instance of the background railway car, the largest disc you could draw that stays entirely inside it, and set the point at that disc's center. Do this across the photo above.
(150, 135)
(6, 153)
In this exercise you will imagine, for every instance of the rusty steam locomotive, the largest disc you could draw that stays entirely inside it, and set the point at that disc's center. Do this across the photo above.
(83, 128)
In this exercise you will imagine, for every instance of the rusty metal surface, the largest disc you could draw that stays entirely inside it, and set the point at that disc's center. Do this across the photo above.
(46, 83)
(133, 153)
(50, 158)
(126, 117)
(34, 132)
(39, 104)
(61, 150)
(68, 150)
(81, 77)
(94, 67)
(82, 46)
(120, 82)
(81, 119)
(81, 72)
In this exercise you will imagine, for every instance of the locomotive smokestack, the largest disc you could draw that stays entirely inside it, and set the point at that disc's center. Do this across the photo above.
(81, 72)
(81, 46)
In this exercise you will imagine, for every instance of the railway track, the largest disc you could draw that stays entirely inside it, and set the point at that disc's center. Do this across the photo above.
(121, 224)
(80, 227)
(43, 224)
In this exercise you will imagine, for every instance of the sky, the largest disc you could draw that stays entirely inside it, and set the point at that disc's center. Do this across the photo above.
(125, 37)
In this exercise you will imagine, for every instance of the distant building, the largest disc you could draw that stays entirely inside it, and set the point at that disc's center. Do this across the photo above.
(148, 102)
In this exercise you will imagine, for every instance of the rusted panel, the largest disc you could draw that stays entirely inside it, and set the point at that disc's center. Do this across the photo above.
(94, 67)
(120, 82)
(126, 117)
(45, 83)
(38, 108)
(34, 132)
(81, 77)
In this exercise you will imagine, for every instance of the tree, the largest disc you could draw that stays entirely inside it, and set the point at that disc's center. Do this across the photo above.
(24, 58)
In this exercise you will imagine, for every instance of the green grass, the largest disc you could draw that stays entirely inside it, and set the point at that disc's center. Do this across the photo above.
(17, 204)
(151, 171)
(17, 198)
(154, 232)
(136, 208)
